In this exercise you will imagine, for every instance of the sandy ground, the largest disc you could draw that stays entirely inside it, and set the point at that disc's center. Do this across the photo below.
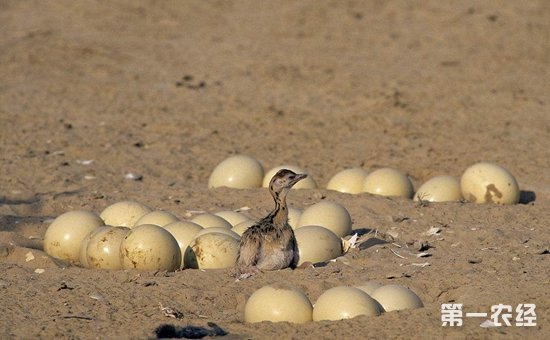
(167, 90)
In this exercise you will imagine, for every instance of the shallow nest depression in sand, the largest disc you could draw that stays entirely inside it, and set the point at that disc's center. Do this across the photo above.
(166, 90)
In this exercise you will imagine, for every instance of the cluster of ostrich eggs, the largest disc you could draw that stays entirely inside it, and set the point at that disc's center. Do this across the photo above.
(481, 183)
(278, 303)
(130, 235)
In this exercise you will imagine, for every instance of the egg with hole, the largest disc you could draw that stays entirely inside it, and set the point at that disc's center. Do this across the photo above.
(439, 189)
(278, 303)
(388, 182)
(212, 251)
(183, 232)
(157, 217)
(238, 172)
(306, 183)
(150, 247)
(232, 217)
(103, 249)
(317, 244)
(65, 234)
(348, 181)
(330, 215)
(207, 220)
(124, 213)
(83, 252)
(241, 227)
(344, 302)
(395, 297)
(489, 183)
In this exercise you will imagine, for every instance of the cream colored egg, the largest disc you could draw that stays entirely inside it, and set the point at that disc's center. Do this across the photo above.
(395, 297)
(369, 287)
(294, 215)
(212, 251)
(207, 220)
(220, 230)
(344, 302)
(83, 252)
(239, 172)
(306, 183)
(232, 217)
(124, 213)
(439, 189)
(64, 236)
(330, 215)
(489, 183)
(103, 249)
(157, 217)
(349, 181)
(183, 232)
(317, 244)
(150, 247)
(241, 227)
(388, 182)
(277, 303)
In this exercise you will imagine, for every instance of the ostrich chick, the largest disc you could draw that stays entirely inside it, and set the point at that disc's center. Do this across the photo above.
(270, 243)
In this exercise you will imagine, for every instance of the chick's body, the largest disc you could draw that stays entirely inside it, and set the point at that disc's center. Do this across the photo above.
(267, 247)
(270, 244)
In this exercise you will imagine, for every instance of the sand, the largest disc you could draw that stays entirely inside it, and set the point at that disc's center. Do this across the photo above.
(167, 90)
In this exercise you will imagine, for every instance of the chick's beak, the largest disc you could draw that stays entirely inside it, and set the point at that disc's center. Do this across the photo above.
(298, 178)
